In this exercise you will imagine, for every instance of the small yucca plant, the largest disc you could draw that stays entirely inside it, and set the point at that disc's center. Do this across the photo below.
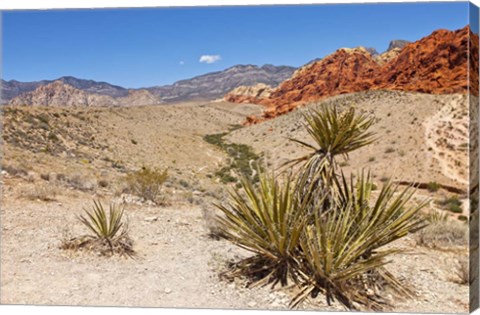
(110, 233)
(104, 226)
(265, 219)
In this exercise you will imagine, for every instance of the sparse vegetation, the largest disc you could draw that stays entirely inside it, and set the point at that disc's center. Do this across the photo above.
(109, 232)
(147, 183)
(39, 192)
(462, 271)
(243, 161)
(443, 233)
(452, 204)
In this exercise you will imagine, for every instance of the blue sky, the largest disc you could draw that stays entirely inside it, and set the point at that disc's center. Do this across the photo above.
(147, 47)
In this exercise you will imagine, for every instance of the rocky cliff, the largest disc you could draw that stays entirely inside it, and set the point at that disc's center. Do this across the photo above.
(435, 64)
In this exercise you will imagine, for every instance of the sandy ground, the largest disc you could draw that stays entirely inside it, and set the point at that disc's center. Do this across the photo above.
(178, 264)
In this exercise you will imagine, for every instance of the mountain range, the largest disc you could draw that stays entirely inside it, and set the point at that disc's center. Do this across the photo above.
(73, 91)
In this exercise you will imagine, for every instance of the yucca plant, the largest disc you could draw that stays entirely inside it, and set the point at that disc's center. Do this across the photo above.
(333, 134)
(327, 232)
(104, 226)
(109, 232)
(342, 250)
(265, 219)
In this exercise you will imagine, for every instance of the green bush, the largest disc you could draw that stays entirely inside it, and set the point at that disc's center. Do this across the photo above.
(433, 186)
(452, 204)
(147, 183)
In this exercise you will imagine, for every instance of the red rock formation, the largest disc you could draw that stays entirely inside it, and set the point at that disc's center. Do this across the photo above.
(435, 64)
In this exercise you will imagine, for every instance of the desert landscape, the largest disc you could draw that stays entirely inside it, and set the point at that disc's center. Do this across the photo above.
(172, 155)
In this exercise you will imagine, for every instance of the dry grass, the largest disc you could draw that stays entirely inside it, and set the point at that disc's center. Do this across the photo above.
(443, 234)
(39, 192)
(211, 223)
(122, 246)
(462, 271)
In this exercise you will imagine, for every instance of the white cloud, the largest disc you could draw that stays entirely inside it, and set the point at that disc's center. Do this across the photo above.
(181, 62)
(210, 58)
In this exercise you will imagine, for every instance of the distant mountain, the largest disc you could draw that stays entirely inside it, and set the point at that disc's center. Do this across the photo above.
(398, 43)
(216, 84)
(205, 87)
(371, 50)
(90, 86)
(59, 93)
(13, 88)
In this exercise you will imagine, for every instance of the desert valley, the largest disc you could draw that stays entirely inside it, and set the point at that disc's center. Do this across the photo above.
(69, 141)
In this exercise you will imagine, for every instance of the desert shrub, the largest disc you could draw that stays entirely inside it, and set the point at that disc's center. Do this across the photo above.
(452, 204)
(15, 170)
(319, 228)
(389, 150)
(103, 183)
(444, 233)
(78, 182)
(45, 176)
(147, 183)
(211, 223)
(435, 216)
(109, 234)
(462, 271)
(39, 192)
(184, 183)
(433, 186)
